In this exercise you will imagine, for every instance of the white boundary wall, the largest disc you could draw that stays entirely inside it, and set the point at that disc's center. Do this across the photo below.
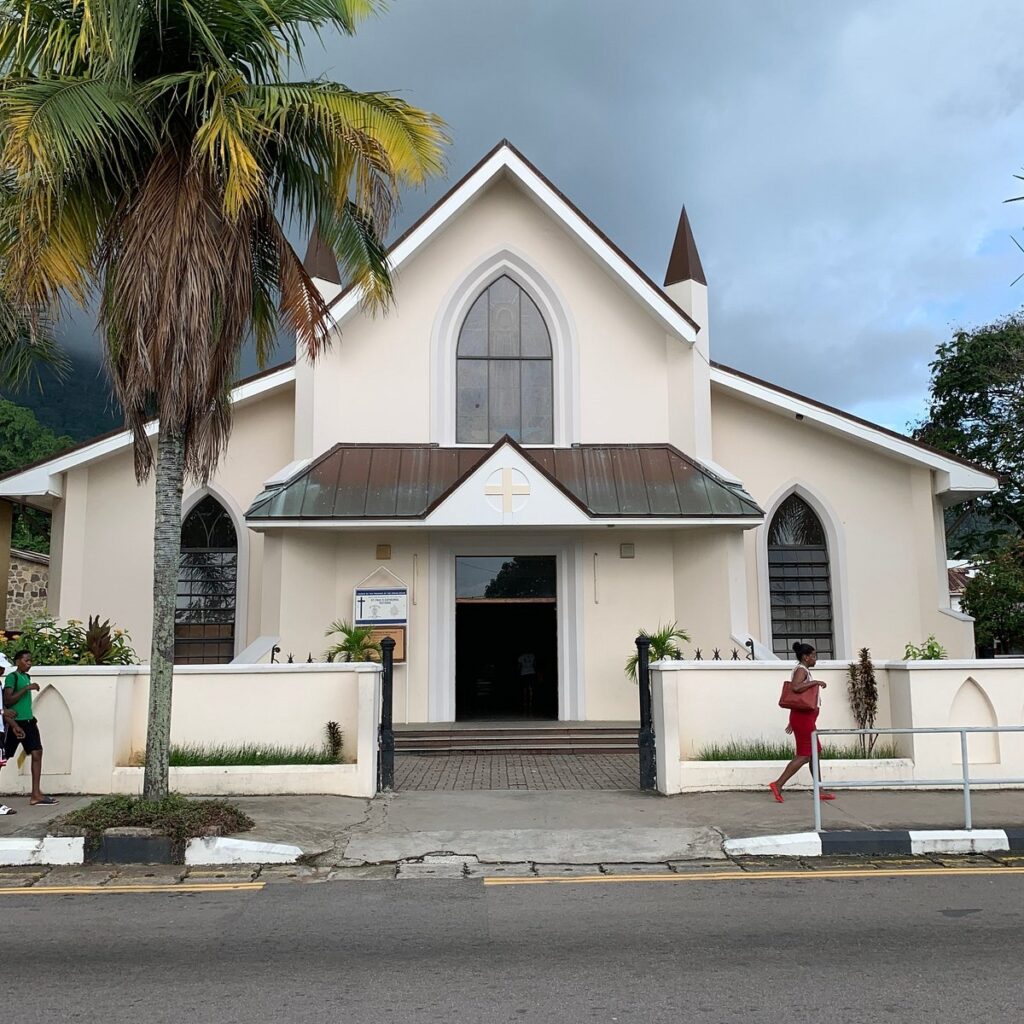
(93, 724)
(700, 703)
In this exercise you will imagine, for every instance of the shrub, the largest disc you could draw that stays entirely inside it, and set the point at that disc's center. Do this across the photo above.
(173, 816)
(356, 643)
(665, 642)
(863, 690)
(73, 644)
(197, 755)
(930, 650)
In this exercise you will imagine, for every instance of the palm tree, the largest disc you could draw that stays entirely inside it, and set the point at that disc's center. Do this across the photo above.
(665, 642)
(356, 643)
(153, 151)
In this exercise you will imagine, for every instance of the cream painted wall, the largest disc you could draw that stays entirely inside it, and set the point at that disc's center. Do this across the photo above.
(105, 531)
(623, 596)
(371, 387)
(883, 513)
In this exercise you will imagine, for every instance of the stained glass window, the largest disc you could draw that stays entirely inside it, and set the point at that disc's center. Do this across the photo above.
(204, 615)
(504, 381)
(799, 580)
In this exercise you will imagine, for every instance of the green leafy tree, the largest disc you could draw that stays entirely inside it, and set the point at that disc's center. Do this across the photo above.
(977, 412)
(152, 151)
(23, 440)
(994, 596)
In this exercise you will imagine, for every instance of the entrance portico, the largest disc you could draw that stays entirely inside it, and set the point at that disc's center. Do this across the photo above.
(515, 558)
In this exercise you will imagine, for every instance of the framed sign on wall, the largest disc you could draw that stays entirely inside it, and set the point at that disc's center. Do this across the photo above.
(397, 633)
(381, 606)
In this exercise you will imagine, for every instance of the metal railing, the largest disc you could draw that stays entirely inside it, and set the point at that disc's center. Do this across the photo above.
(965, 781)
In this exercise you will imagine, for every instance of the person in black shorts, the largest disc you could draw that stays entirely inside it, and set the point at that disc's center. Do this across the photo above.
(18, 690)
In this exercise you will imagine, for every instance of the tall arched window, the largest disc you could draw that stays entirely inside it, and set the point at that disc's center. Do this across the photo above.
(204, 615)
(503, 369)
(799, 580)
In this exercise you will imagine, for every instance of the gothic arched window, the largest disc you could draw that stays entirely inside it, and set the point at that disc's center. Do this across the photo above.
(204, 614)
(504, 369)
(799, 580)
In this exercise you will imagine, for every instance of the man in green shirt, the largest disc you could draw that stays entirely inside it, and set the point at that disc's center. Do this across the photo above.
(18, 690)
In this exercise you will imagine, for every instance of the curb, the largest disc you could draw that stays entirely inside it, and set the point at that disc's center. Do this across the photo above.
(912, 842)
(56, 851)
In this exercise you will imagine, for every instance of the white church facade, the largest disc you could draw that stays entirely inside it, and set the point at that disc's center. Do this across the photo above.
(530, 458)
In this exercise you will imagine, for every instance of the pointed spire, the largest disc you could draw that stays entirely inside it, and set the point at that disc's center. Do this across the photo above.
(320, 262)
(684, 263)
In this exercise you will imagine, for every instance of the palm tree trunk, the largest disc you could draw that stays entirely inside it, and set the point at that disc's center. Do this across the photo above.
(170, 472)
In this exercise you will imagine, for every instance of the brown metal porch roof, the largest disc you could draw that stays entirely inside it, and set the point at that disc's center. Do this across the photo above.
(408, 481)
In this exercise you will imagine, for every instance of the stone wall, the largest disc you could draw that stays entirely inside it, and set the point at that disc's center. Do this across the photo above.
(26, 587)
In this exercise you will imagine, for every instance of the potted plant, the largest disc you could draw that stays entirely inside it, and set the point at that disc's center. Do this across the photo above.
(355, 643)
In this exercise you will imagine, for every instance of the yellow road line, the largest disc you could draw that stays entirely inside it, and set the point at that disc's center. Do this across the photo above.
(753, 876)
(79, 890)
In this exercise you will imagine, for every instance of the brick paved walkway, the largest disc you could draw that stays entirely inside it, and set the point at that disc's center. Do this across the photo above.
(517, 771)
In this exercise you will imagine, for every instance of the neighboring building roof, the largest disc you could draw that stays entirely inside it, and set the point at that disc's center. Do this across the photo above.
(320, 262)
(606, 481)
(684, 261)
(958, 577)
(505, 159)
(30, 556)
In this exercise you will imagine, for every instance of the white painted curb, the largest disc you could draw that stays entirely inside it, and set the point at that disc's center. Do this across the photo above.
(50, 850)
(796, 844)
(979, 840)
(223, 850)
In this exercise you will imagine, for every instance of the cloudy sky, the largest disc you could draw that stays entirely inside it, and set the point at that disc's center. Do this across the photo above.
(844, 164)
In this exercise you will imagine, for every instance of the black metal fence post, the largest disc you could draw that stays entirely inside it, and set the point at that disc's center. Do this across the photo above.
(648, 770)
(386, 760)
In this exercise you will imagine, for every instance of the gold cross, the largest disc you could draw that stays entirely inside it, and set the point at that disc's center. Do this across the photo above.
(507, 490)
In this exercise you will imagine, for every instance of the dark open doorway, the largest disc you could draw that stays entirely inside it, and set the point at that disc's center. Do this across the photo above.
(506, 661)
(506, 638)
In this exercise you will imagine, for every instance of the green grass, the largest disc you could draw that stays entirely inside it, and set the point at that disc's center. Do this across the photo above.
(194, 755)
(175, 816)
(767, 750)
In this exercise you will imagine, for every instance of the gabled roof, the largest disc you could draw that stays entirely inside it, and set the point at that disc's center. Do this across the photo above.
(353, 482)
(958, 476)
(505, 160)
(38, 479)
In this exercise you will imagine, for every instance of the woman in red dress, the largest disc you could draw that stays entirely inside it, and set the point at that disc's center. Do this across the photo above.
(801, 723)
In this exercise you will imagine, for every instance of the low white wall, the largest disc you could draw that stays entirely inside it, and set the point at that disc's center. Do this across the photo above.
(93, 724)
(700, 703)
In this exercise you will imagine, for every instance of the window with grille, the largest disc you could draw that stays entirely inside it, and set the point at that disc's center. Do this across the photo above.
(504, 369)
(204, 614)
(799, 580)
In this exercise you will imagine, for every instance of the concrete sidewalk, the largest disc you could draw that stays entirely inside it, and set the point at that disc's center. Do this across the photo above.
(560, 827)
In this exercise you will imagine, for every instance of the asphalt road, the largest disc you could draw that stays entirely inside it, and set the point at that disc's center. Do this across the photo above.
(905, 949)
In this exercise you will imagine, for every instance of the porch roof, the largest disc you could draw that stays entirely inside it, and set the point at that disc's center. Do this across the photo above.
(408, 481)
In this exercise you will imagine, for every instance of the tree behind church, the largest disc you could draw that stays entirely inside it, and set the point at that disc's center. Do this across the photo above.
(152, 150)
(976, 411)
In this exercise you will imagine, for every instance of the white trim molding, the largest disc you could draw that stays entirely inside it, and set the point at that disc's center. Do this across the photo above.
(836, 543)
(569, 604)
(444, 338)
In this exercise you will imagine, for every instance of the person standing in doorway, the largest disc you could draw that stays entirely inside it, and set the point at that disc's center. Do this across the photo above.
(527, 679)
(18, 690)
(801, 723)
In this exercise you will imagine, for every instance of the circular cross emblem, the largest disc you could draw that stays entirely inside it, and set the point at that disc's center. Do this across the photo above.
(507, 490)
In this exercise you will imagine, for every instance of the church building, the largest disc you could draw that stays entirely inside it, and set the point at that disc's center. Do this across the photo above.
(531, 457)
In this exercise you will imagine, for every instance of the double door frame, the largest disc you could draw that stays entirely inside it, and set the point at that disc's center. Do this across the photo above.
(444, 549)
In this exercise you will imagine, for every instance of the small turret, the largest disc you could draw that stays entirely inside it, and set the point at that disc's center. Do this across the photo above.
(685, 282)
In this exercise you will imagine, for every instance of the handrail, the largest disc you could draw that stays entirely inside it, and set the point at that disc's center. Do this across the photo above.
(965, 781)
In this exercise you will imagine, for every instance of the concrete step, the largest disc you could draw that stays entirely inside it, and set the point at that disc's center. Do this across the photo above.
(524, 738)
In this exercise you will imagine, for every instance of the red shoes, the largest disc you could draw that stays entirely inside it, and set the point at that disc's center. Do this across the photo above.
(776, 793)
(826, 796)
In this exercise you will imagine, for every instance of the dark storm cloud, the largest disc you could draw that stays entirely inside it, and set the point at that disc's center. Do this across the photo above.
(844, 165)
